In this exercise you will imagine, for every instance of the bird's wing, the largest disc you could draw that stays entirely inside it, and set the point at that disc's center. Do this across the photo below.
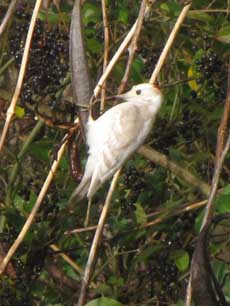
(112, 139)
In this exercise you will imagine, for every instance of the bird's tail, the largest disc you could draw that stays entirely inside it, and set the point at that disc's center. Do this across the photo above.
(81, 190)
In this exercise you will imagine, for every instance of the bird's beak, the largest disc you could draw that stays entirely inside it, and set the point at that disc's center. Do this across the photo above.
(124, 96)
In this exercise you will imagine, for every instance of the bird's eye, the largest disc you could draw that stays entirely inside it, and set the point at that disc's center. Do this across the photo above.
(138, 92)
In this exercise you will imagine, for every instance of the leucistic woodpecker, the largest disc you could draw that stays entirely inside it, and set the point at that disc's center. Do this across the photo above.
(116, 135)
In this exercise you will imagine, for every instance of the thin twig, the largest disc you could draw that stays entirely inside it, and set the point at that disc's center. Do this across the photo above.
(161, 159)
(177, 212)
(11, 109)
(75, 266)
(106, 51)
(133, 46)
(93, 251)
(7, 16)
(169, 43)
(81, 230)
(164, 212)
(211, 11)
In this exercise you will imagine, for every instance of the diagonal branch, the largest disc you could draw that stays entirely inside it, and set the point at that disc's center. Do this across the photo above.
(162, 160)
(169, 43)
(96, 240)
(133, 46)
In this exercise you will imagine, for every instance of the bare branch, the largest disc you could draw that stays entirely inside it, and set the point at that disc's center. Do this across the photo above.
(161, 159)
(133, 46)
(169, 43)
(96, 240)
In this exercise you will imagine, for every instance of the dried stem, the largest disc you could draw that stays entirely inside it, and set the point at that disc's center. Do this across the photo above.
(106, 51)
(11, 109)
(169, 43)
(177, 212)
(211, 11)
(133, 46)
(164, 212)
(8, 15)
(75, 266)
(97, 237)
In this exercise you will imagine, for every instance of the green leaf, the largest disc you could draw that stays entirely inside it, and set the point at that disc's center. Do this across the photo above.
(175, 154)
(179, 303)
(171, 8)
(123, 15)
(104, 301)
(140, 214)
(200, 16)
(19, 111)
(91, 13)
(198, 221)
(41, 150)
(223, 35)
(137, 68)
(181, 259)
(19, 203)
(223, 201)
(94, 45)
(52, 17)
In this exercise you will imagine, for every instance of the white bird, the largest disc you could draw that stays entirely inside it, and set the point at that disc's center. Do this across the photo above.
(118, 133)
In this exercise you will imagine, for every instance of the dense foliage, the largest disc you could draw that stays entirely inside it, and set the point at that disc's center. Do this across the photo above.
(140, 263)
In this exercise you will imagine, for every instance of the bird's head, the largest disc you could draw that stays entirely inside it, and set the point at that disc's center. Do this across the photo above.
(143, 92)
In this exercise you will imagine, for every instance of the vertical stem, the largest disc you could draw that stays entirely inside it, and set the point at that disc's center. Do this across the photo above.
(11, 109)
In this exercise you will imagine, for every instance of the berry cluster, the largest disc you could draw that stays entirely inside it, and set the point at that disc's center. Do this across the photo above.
(133, 181)
(208, 64)
(150, 58)
(48, 60)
